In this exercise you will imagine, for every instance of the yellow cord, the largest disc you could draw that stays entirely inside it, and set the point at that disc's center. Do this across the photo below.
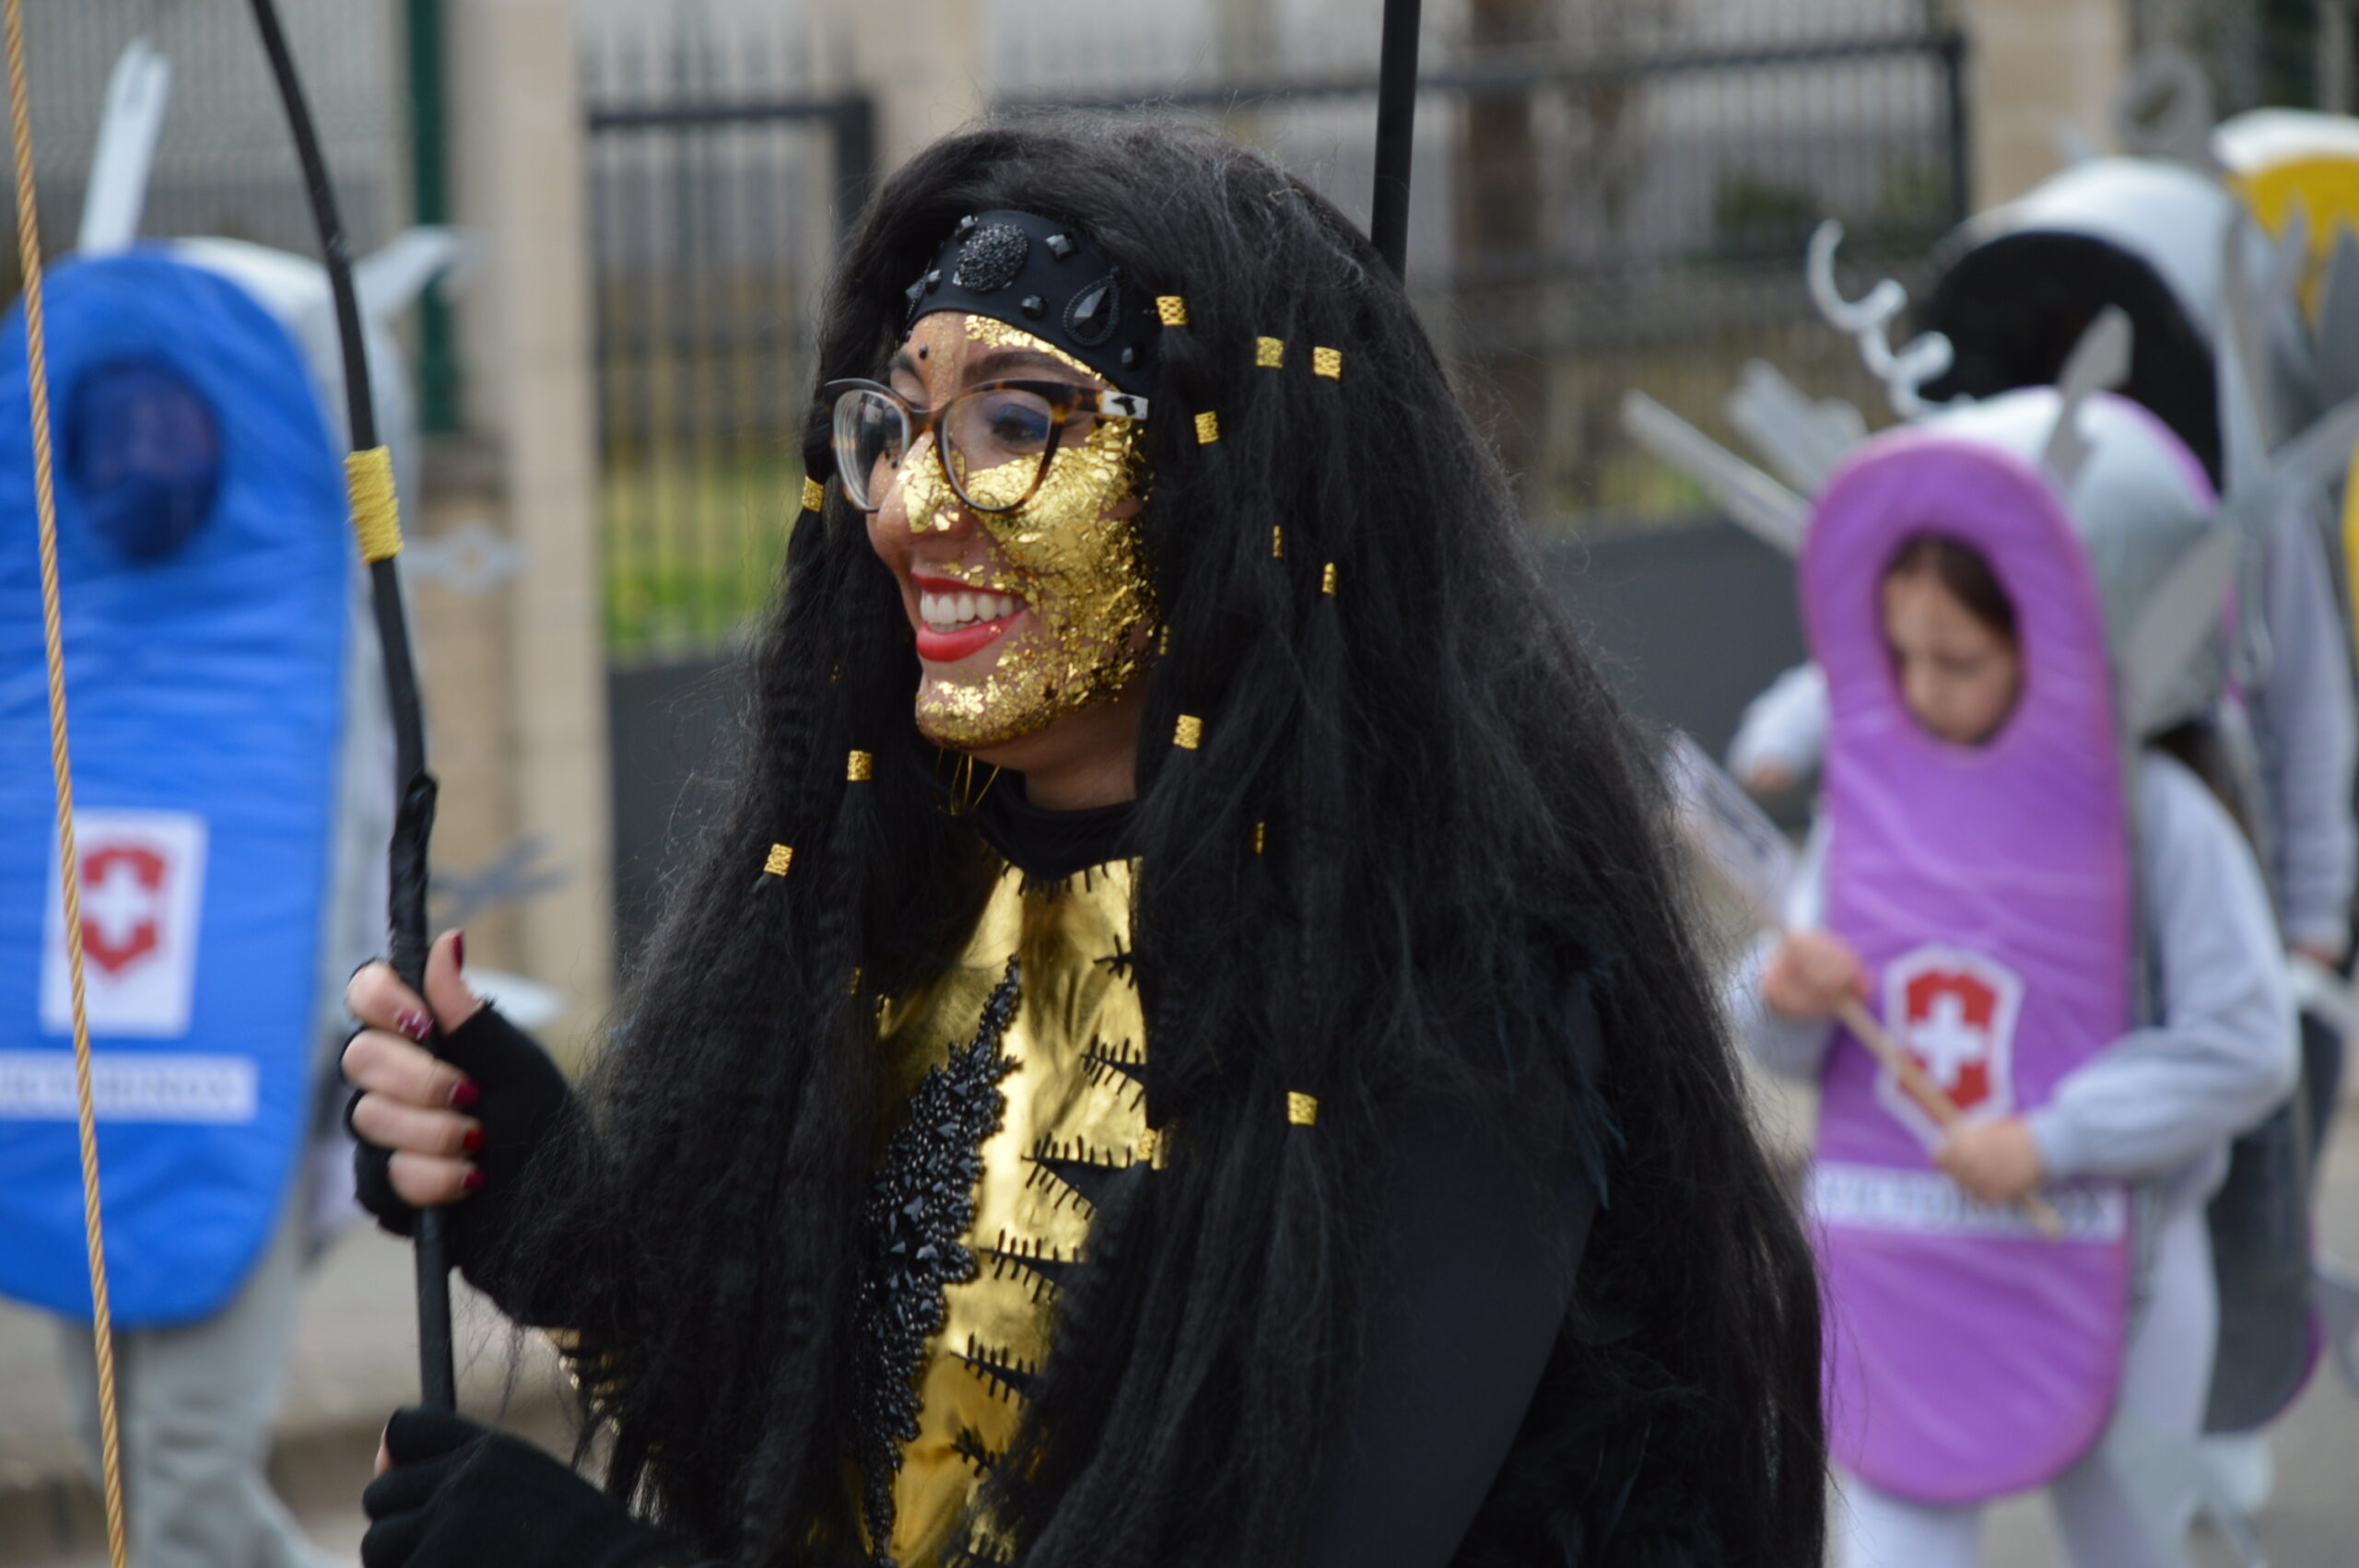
(61, 764)
(376, 511)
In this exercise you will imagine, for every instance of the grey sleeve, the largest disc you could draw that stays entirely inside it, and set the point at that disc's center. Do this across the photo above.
(1787, 1047)
(2222, 1055)
(2307, 711)
(1785, 724)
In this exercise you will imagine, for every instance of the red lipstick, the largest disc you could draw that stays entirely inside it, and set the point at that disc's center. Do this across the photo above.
(948, 648)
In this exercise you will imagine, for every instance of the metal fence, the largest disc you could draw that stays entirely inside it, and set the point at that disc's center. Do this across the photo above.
(2296, 53)
(1616, 197)
(718, 179)
(1611, 196)
(225, 165)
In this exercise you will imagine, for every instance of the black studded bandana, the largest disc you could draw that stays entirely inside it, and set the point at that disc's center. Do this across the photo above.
(1042, 277)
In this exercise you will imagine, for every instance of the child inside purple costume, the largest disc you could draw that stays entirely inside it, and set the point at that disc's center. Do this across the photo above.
(2003, 857)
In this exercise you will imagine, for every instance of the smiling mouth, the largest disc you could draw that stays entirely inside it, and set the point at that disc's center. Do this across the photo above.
(965, 609)
(956, 622)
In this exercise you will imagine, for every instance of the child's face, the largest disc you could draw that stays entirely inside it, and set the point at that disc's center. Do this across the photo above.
(1958, 675)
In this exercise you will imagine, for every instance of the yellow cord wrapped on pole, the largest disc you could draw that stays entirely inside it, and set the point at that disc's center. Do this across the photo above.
(376, 511)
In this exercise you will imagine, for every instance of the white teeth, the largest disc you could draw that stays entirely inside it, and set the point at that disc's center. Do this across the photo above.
(952, 611)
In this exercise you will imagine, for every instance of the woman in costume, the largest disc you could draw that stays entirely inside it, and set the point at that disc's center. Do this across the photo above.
(2063, 927)
(1228, 1083)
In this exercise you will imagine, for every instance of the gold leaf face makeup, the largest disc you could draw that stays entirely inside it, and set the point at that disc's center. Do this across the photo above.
(1072, 554)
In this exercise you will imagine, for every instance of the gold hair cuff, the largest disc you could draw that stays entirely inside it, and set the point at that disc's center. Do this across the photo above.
(1302, 1110)
(1260, 837)
(782, 857)
(1163, 641)
(860, 768)
(1190, 734)
(1327, 362)
(376, 513)
(814, 495)
(1207, 428)
(1171, 309)
(1327, 580)
(1270, 353)
(1277, 543)
(853, 988)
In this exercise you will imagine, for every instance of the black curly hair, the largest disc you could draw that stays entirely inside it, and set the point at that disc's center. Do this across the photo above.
(1464, 847)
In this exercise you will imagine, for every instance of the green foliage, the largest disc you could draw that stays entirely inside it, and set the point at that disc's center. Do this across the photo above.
(691, 552)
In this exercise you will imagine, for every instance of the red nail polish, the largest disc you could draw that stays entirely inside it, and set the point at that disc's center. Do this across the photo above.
(464, 1095)
(474, 1182)
(414, 1023)
(473, 1142)
(459, 948)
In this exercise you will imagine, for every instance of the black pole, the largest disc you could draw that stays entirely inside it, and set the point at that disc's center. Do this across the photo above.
(1396, 124)
(414, 787)
(854, 121)
(1959, 142)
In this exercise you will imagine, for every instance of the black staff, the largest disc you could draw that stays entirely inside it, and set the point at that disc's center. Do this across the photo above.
(368, 477)
(1396, 124)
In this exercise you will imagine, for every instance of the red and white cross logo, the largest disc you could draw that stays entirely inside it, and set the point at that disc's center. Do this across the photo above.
(122, 903)
(1954, 1013)
(143, 885)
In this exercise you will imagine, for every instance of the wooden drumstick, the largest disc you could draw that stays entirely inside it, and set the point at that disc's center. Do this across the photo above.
(1855, 1016)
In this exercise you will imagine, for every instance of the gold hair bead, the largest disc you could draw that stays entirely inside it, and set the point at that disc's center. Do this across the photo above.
(1163, 641)
(860, 768)
(1190, 734)
(853, 988)
(1327, 580)
(1260, 837)
(1327, 362)
(1171, 309)
(1302, 1110)
(814, 495)
(1277, 543)
(1207, 428)
(1270, 353)
(782, 857)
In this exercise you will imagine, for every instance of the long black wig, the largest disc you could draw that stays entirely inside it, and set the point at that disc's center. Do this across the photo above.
(1461, 847)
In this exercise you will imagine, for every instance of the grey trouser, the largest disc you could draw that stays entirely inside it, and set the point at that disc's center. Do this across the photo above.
(196, 1406)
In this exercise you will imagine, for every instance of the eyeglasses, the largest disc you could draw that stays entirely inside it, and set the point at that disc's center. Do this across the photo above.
(987, 428)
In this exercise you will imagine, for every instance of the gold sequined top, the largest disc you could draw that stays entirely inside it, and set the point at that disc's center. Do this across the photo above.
(1072, 1099)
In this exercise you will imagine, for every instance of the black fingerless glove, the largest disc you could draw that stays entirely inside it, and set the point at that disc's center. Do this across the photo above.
(524, 1102)
(461, 1495)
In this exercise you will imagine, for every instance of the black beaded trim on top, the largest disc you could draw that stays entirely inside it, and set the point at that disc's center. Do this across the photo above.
(1038, 275)
(921, 1202)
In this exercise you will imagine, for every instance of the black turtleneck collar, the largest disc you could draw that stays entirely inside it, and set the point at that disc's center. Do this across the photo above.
(1051, 846)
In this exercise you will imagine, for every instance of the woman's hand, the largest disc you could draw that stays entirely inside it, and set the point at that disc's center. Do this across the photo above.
(1811, 974)
(449, 1493)
(471, 1116)
(412, 1102)
(1997, 1162)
